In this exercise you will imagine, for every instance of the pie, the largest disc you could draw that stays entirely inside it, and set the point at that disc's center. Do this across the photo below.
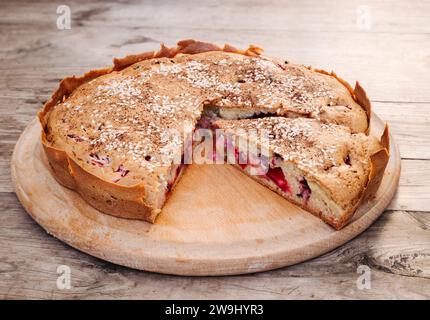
(119, 136)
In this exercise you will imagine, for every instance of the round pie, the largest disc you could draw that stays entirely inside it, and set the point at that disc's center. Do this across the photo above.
(119, 136)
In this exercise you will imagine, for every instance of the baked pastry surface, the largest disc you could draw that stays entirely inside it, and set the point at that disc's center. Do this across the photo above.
(115, 135)
(322, 167)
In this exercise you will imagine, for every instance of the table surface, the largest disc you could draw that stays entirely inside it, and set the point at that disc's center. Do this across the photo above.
(386, 45)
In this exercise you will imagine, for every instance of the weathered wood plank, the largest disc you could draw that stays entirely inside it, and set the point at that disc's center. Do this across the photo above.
(413, 191)
(409, 123)
(398, 258)
(401, 17)
(389, 64)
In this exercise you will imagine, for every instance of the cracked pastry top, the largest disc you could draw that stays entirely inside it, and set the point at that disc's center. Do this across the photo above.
(113, 134)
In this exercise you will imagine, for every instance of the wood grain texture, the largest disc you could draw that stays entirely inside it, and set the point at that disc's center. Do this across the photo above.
(391, 61)
(217, 222)
(398, 259)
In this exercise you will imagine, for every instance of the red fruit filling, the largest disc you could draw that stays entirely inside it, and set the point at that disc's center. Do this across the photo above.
(305, 190)
(122, 170)
(99, 161)
(274, 174)
(204, 122)
(277, 176)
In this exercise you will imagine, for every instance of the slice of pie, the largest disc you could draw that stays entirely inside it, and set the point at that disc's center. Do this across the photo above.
(323, 168)
(118, 135)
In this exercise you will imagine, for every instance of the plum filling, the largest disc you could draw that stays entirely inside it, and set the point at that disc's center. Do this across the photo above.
(274, 174)
(305, 190)
(99, 161)
(205, 122)
(277, 176)
(347, 160)
(122, 171)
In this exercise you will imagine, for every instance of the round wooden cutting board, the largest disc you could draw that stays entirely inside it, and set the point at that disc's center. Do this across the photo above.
(217, 221)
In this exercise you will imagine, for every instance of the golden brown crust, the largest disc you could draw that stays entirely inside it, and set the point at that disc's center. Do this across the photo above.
(378, 162)
(362, 99)
(385, 138)
(122, 63)
(114, 199)
(124, 202)
(358, 93)
(118, 200)
(334, 75)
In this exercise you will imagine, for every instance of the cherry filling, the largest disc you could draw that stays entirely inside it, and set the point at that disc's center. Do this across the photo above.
(305, 190)
(277, 176)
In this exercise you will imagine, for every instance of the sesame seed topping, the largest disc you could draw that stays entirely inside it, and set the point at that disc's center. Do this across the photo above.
(141, 110)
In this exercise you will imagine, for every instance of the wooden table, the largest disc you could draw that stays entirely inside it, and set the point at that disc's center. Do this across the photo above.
(386, 45)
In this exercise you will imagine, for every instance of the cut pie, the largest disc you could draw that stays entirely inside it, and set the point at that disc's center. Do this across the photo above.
(323, 168)
(118, 135)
